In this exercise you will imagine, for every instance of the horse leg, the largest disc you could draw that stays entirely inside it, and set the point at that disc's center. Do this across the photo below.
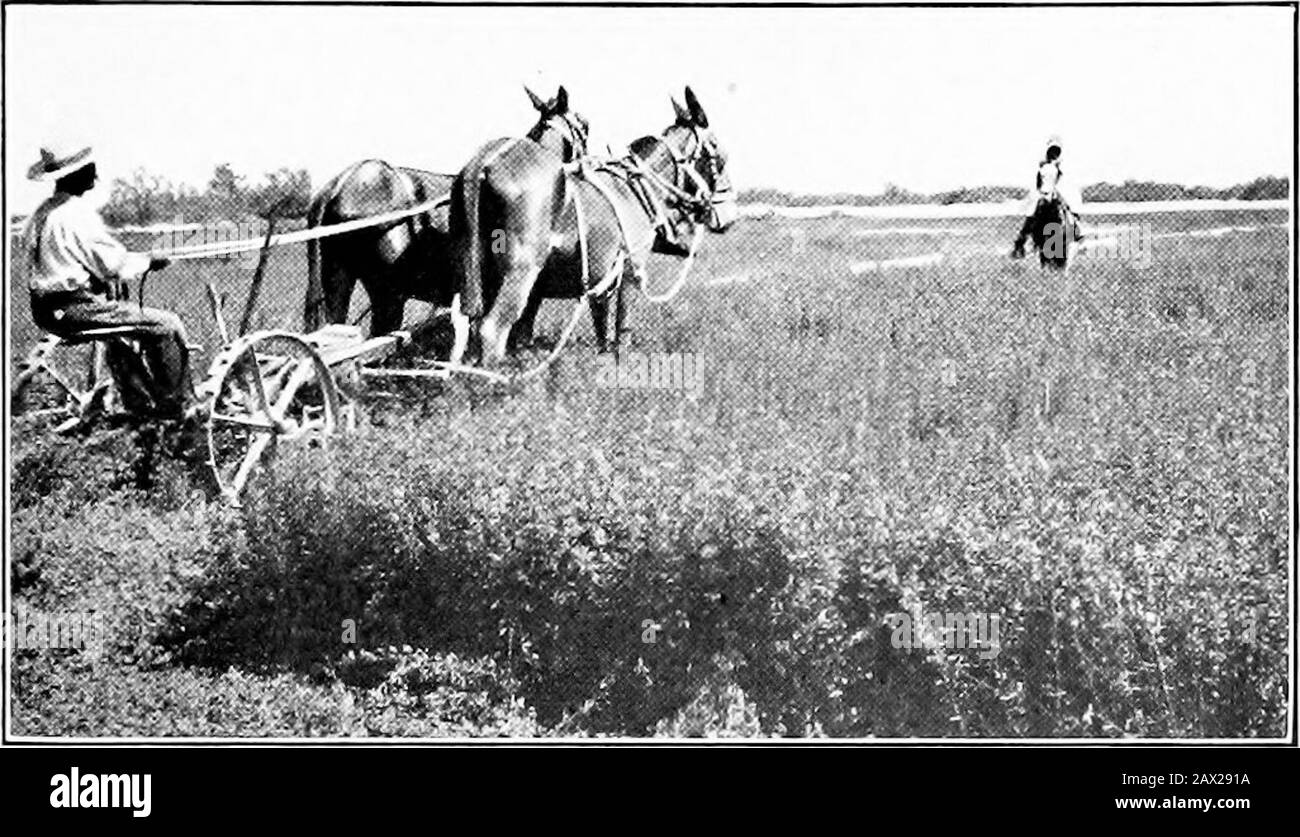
(1052, 252)
(620, 308)
(511, 300)
(461, 327)
(618, 274)
(599, 321)
(1026, 230)
(521, 334)
(519, 264)
(386, 309)
(337, 287)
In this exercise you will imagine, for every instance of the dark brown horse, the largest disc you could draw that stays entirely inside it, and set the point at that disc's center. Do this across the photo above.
(521, 221)
(410, 258)
(1052, 229)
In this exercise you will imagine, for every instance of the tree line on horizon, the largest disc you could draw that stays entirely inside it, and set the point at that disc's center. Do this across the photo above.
(1130, 191)
(145, 198)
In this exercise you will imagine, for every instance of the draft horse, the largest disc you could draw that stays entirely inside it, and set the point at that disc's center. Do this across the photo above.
(526, 227)
(409, 259)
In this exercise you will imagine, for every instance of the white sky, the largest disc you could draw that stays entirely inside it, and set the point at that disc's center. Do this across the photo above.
(803, 99)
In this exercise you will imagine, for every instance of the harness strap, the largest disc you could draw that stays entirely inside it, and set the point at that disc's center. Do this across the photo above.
(582, 237)
(682, 274)
(608, 195)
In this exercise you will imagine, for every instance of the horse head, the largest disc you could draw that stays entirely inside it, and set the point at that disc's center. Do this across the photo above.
(699, 166)
(558, 128)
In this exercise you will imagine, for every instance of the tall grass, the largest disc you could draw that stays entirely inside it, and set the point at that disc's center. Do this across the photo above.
(1099, 458)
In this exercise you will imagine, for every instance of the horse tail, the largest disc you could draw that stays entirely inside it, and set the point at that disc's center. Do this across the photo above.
(315, 299)
(316, 308)
(464, 224)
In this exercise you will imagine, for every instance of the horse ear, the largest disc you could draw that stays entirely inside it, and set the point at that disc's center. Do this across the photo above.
(683, 115)
(697, 112)
(561, 100)
(537, 103)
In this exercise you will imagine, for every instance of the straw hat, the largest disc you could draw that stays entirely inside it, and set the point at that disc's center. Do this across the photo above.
(59, 159)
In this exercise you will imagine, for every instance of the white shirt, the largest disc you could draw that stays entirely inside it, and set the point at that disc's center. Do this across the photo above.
(1049, 180)
(67, 244)
(1048, 175)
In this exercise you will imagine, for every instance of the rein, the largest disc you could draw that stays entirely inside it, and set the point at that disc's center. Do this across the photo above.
(656, 194)
(683, 163)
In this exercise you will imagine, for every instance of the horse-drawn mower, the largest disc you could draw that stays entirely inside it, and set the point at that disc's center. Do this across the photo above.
(262, 390)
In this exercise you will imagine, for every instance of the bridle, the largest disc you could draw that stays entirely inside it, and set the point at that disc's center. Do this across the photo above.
(686, 167)
(577, 132)
(677, 192)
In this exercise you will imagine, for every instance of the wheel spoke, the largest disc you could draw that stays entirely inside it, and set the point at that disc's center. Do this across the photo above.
(251, 458)
(58, 379)
(243, 422)
(259, 385)
(302, 373)
(272, 365)
(276, 378)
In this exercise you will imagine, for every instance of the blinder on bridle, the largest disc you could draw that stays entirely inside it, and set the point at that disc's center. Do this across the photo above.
(705, 189)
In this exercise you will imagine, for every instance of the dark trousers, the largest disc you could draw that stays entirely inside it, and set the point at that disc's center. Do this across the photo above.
(155, 377)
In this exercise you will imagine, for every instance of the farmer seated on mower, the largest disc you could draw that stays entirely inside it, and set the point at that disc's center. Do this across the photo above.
(77, 271)
(1047, 185)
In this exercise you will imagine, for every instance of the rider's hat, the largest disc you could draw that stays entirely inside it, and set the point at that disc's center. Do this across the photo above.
(1054, 141)
(59, 159)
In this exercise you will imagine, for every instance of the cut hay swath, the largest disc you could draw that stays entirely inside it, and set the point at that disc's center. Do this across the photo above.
(875, 266)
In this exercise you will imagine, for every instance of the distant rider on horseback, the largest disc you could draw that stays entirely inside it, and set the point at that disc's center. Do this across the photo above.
(1047, 185)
